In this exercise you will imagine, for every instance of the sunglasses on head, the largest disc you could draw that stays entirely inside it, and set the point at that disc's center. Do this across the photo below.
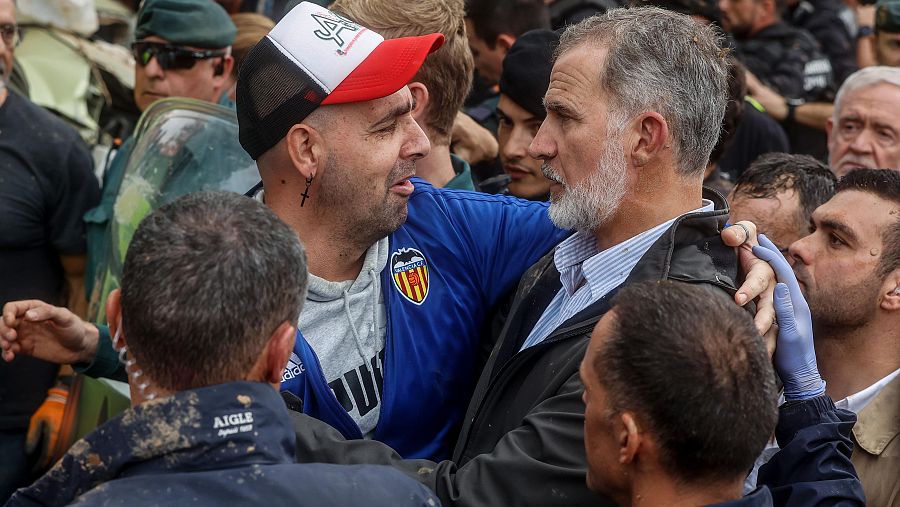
(169, 56)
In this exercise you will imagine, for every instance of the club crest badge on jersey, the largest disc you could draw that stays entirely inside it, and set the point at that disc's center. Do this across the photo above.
(409, 269)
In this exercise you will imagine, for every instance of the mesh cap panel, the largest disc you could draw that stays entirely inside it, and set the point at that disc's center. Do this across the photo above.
(273, 94)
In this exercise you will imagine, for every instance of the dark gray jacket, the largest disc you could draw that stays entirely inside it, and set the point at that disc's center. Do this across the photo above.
(522, 440)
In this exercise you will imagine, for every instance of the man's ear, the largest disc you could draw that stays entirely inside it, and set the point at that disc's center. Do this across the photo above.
(505, 41)
(829, 126)
(221, 75)
(421, 97)
(306, 149)
(114, 315)
(650, 135)
(890, 301)
(630, 438)
(277, 352)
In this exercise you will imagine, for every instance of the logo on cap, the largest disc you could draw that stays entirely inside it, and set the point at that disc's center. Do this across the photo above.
(331, 26)
(410, 272)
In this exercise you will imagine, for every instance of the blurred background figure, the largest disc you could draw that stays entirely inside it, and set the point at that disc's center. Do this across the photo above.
(784, 57)
(251, 27)
(525, 78)
(47, 185)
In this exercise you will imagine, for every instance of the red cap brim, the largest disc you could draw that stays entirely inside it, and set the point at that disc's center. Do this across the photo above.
(387, 69)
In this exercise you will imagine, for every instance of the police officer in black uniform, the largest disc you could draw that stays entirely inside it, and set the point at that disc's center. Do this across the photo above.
(831, 23)
(783, 57)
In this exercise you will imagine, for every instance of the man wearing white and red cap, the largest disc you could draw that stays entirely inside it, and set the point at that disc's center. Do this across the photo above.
(402, 274)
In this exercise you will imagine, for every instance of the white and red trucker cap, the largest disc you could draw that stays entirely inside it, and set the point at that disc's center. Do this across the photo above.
(315, 57)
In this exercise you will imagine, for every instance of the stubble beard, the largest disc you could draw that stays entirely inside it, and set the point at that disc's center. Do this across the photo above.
(365, 215)
(839, 309)
(591, 203)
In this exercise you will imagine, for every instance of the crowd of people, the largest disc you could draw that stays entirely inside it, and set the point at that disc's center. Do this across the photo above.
(501, 252)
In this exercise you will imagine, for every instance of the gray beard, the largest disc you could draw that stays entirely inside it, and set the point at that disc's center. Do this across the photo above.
(588, 205)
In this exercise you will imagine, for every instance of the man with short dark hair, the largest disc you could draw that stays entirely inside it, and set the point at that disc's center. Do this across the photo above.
(493, 26)
(779, 192)
(849, 269)
(678, 409)
(205, 322)
(520, 111)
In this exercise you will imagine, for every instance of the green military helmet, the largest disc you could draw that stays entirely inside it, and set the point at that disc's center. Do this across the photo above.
(887, 16)
(198, 23)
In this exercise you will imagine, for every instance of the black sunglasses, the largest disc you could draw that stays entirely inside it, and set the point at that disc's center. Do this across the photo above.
(169, 56)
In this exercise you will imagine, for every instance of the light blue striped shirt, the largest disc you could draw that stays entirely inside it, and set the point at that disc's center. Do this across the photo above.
(587, 273)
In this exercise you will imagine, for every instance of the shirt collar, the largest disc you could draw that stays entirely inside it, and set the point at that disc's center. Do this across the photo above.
(857, 402)
(578, 252)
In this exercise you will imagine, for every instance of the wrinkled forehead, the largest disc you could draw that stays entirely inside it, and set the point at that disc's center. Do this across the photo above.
(576, 73)
(878, 99)
(373, 111)
(864, 213)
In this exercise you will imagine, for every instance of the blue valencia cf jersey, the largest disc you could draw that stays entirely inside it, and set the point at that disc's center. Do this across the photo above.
(455, 256)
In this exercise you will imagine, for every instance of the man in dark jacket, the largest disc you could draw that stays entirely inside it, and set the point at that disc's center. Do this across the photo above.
(205, 322)
(830, 22)
(781, 56)
(645, 364)
(627, 173)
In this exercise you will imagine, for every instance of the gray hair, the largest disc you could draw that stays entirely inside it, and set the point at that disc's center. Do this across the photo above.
(868, 76)
(207, 279)
(665, 62)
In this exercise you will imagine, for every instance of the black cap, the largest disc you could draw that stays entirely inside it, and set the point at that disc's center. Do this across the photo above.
(526, 70)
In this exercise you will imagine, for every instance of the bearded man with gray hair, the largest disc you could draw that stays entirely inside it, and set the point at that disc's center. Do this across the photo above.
(625, 142)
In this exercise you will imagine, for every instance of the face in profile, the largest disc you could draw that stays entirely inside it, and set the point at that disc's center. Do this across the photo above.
(517, 128)
(866, 130)
(201, 82)
(604, 474)
(488, 60)
(837, 263)
(580, 145)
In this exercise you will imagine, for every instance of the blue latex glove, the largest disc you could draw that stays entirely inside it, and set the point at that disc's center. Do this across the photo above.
(795, 355)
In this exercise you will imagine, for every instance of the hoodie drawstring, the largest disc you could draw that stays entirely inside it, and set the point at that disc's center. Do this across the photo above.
(359, 344)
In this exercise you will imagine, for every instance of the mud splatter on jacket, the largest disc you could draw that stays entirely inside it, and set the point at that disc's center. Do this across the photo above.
(229, 444)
